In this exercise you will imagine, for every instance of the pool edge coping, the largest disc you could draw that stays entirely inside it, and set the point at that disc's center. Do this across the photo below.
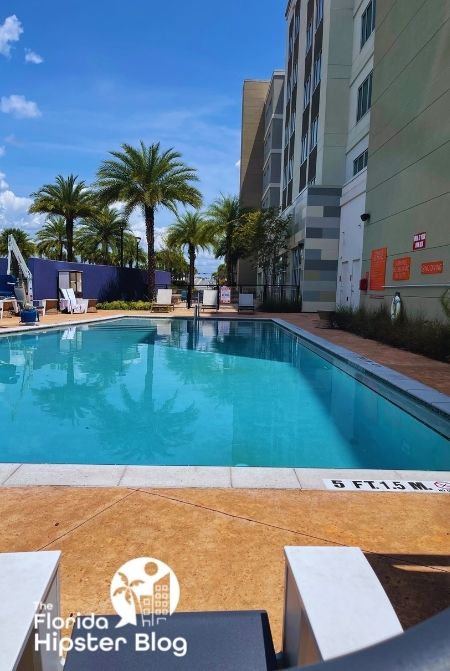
(227, 477)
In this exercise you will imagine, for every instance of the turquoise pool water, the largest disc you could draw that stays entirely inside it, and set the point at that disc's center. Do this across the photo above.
(149, 391)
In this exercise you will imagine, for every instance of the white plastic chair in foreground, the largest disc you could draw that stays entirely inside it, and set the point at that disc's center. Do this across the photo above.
(246, 302)
(74, 304)
(209, 299)
(163, 300)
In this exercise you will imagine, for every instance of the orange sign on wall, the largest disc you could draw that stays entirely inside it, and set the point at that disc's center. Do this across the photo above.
(378, 269)
(401, 268)
(432, 268)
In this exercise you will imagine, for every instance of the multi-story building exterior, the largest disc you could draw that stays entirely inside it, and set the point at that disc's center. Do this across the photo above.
(353, 200)
(273, 141)
(407, 237)
(254, 95)
(319, 66)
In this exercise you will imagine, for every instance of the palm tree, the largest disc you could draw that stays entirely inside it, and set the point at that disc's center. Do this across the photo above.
(225, 214)
(24, 243)
(69, 198)
(192, 231)
(146, 178)
(51, 238)
(98, 239)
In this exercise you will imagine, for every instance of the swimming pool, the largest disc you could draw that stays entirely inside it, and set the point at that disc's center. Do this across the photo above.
(145, 391)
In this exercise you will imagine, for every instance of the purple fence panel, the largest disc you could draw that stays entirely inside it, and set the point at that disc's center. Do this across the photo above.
(103, 283)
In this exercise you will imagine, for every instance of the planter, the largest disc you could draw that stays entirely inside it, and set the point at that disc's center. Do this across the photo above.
(29, 316)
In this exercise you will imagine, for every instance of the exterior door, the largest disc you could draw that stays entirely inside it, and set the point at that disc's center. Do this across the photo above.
(344, 298)
(354, 283)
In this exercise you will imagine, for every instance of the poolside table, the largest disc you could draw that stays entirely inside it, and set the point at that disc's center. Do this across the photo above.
(219, 641)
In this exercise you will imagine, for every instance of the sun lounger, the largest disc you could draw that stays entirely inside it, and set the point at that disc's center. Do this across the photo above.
(74, 304)
(163, 301)
(209, 299)
(246, 303)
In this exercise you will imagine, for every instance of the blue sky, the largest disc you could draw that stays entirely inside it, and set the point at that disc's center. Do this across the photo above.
(78, 79)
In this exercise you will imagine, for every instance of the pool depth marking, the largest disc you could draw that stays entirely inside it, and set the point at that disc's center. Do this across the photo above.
(422, 486)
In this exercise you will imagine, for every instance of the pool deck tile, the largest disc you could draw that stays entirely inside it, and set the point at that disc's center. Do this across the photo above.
(176, 476)
(6, 470)
(73, 475)
(264, 478)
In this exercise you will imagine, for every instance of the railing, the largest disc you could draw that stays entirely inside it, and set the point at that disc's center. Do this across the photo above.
(262, 293)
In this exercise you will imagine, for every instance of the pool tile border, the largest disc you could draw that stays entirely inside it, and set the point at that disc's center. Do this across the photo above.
(195, 477)
(378, 376)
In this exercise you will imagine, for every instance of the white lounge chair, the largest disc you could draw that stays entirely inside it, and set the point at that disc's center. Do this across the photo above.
(163, 300)
(246, 302)
(74, 304)
(209, 299)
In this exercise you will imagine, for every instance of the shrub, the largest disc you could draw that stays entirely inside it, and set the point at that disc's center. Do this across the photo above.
(124, 305)
(280, 305)
(413, 333)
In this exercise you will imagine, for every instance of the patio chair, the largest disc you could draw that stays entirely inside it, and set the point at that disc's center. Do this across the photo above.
(163, 301)
(246, 303)
(21, 299)
(209, 299)
(74, 304)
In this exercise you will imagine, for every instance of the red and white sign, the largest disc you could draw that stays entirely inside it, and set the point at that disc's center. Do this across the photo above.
(432, 268)
(225, 295)
(419, 241)
(378, 259)
(401, 268)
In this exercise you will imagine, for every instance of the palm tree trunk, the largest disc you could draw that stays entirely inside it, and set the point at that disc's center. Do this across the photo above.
(149, 214)
(229, 257)
(60, 250)
(191, 264)
(69, 235)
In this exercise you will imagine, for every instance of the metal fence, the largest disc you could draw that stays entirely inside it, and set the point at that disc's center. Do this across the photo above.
(229, 295)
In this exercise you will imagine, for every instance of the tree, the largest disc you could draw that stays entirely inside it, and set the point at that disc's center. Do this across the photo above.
(98, 239)
(69, 198)
(147, 178)
(220, 276)
(264, 233)
(51, 239)
(129, 252)
(24, 243)
(173, 260)
(225, 215)
(193, 232)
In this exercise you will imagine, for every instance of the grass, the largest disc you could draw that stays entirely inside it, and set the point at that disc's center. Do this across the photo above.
(412, 333)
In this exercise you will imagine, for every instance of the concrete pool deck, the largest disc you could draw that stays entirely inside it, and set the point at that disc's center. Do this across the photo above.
(226, 546)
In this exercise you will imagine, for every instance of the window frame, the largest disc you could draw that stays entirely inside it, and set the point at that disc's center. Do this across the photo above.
(304, 148)
(363, 158)
(314, 133)
(368, 20)
(364, 100)
(307, 92)
(317, 72)
(319, 12)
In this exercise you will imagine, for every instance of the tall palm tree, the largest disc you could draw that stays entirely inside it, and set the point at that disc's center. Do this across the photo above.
(98, 239)
(69, 198)
(147, 178)
(225, 215)
(24, 243)
(193, 232)
(51, 239)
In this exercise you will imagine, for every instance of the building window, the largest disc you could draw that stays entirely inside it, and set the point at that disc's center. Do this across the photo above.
(288, 90)
(293, 118)
(314, 133)
(307, 92)
(317, 71)
(290, 169)
(286, 134)
(294, 77)
(312, 181)
(319, 11)
(309, 36)
(360, 162)
(297, 255)
(368, 22)
(296, 25)
(304, 154)
(364, 97)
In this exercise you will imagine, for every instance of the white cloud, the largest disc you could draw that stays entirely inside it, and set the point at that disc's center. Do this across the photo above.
(10, 31)
(2, 150)
(237, 164)
(14, 210)
(33, 57)
(19, 107)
